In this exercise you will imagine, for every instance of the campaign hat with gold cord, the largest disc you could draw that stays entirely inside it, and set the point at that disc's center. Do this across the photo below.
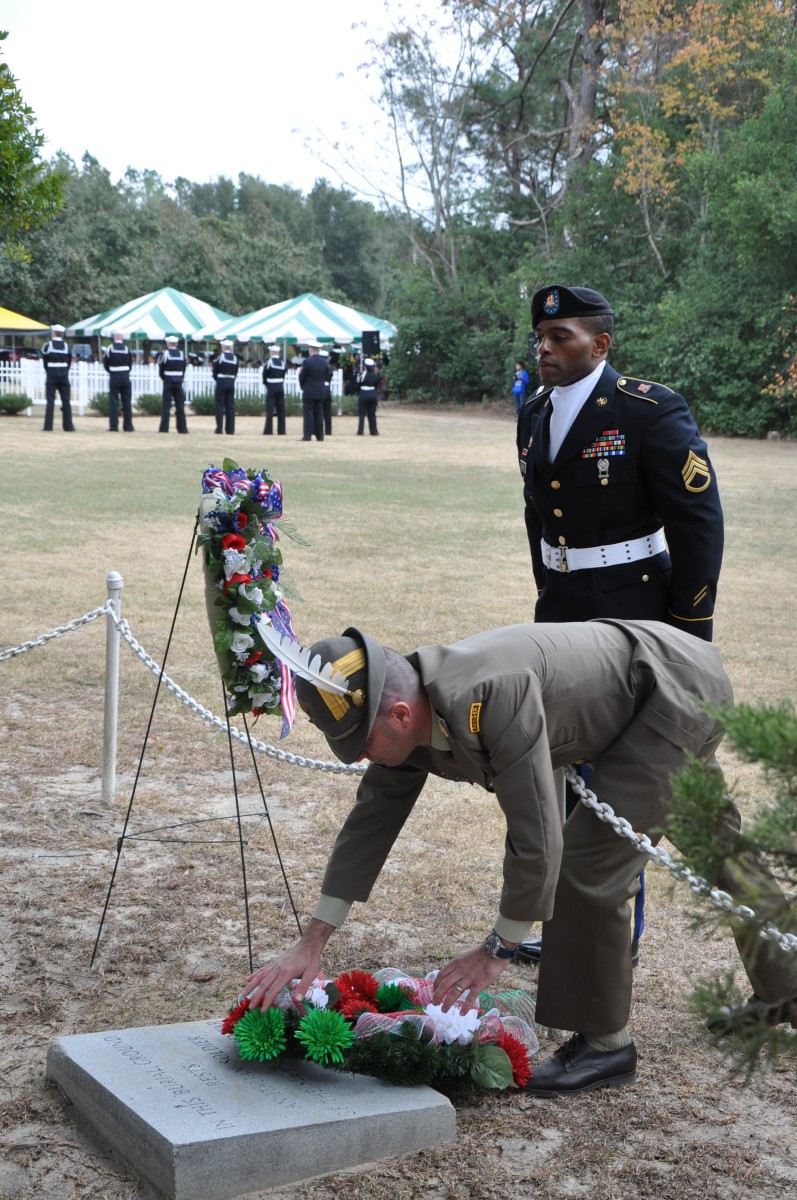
(339, 683)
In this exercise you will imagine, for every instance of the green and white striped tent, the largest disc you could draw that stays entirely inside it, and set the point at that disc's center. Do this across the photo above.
(302, 319)
(154, 316)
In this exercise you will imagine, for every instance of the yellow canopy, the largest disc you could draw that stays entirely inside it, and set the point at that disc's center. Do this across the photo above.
(11, 322)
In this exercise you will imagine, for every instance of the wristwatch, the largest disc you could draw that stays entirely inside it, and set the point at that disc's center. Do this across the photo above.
(495, 947)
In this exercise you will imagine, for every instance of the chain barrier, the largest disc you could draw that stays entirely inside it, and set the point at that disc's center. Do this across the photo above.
(677, 868)
(604, 812)
(296, 760)
(60, 631)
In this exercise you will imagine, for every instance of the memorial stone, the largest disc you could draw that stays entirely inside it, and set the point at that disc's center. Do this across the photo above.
(185, 1111)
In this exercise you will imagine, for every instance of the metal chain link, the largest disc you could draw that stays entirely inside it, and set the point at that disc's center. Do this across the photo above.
(296, 760)
(58, 632)
(604, 812)
(677, 868)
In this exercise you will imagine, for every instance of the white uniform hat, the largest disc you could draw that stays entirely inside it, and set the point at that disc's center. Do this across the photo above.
(226, 345)
(313, 345)
(171, 340)
(273, 349)
(369, 362)
(57, 329)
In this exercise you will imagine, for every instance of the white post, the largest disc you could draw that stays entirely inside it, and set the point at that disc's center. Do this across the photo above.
(113, 581)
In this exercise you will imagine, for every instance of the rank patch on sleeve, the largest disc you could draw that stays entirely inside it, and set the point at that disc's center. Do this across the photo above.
(475, 714)
(696, 473)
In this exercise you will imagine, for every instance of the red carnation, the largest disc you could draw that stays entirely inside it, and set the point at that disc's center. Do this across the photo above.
(233, 541)
(352, 1006)
(234, 1016)
(359, 984)
(241, 520)
(516, 1052)
(253, 658)
(234, 580)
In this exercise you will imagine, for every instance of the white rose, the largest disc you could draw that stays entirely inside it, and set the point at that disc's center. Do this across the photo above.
(238, 617)
(234, 563)
(251, 593)
(242, 643)
(258, 672)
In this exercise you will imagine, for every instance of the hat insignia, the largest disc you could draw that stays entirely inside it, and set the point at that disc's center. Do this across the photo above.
(551, 303)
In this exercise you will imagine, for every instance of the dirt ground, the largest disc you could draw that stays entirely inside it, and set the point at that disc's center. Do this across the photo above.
(174, 947)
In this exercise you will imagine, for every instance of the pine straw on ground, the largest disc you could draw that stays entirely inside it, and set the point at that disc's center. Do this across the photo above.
(418, 537)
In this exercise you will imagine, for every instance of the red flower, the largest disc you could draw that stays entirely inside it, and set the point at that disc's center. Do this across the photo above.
(360, 984)
(352, 1006)
(516, 1051)
(269, 574)
(234, 580)
(241, 520)
(253, 658)
(233, 541)
(234, 1016)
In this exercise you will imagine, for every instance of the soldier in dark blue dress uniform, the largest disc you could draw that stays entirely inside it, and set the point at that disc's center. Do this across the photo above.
(623, 511)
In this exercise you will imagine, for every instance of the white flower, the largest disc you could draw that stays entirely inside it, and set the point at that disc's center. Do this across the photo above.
(234, 563)
(238, 617)
(453, 1026)
(258, 671)
(317, 996)
(250, 593)
(262, 699)
(242, 643)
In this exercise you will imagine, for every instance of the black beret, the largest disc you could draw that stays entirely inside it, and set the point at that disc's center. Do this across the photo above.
(559, 301)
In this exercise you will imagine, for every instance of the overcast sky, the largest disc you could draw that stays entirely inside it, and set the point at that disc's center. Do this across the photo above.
(165, 85)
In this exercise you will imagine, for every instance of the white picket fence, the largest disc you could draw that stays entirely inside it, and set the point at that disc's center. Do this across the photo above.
(26, 378)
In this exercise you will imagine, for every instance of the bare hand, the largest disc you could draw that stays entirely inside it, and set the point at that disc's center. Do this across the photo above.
(297, 966)
(473, 972)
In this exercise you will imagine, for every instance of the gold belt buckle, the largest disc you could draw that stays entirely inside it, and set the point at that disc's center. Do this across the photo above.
(563, 567)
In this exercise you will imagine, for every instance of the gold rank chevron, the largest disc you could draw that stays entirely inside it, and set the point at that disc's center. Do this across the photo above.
(695, 469)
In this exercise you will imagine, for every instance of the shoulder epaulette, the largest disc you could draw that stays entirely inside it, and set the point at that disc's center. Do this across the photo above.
(542, 393)
(644, 389)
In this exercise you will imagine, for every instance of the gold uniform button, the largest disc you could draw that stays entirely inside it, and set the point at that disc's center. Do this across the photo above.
(645, 578)
(562, 541)
(557, 512)
(621, 382)
(555, 483)
(604, 482)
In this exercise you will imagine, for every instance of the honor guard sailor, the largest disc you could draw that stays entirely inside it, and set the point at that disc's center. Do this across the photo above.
(57, 359)
(274, 379)
(118, 362)
(225, 369)
(171, 368)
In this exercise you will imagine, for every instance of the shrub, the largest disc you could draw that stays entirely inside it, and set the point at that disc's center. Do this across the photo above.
(11, 404)
(101, 403)
(250, 406)
(150, 404)
(204, 405)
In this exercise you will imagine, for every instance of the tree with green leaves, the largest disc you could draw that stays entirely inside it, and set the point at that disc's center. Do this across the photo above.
(30, 192)
(767, 736)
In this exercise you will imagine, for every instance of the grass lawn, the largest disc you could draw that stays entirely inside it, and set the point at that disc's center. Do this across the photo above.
(417, 537)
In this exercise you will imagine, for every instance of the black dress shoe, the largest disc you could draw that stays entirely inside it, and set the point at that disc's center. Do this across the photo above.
(754, 1017)
(576, 1068)
(530, 951)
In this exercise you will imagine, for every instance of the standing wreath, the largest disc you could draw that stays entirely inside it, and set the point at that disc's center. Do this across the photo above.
(245, 585)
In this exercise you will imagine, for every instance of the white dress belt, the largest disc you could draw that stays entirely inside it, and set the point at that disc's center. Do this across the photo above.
(565, 559)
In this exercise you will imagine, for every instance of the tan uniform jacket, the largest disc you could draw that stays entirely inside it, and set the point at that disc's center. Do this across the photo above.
(513, 705)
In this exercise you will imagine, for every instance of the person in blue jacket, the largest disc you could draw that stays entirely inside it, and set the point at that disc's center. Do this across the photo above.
(520, 383)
